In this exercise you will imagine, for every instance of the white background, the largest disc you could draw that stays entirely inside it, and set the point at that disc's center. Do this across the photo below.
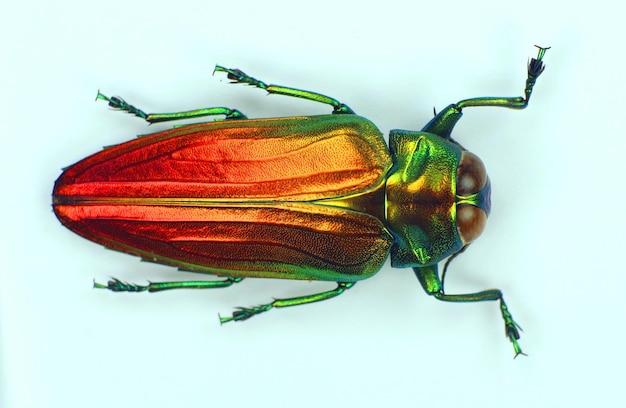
(554, 243)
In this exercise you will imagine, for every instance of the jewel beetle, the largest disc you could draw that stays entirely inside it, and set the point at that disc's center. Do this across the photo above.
(310, 197)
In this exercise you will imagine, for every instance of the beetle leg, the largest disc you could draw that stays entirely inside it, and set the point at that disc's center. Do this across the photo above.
(443, 123)
(117, 285)
(243, 313)
(119, 103)
(239, 77)
(429, 278)
(535, 68)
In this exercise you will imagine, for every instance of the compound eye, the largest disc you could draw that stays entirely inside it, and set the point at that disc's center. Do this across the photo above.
(470, 221)
(471, 178)
(471, 175)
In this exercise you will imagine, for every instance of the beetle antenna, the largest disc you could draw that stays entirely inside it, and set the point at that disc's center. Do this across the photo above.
(450, 259)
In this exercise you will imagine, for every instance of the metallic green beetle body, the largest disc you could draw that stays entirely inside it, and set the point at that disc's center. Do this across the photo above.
(313, 197)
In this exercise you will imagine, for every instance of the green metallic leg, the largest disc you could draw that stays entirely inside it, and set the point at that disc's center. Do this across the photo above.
(243, 313)
(117, 285)
(429, 278)
(443, 123)
(239, 77)
(119, 103)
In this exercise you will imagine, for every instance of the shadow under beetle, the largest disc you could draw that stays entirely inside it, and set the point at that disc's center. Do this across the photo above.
(310, 197)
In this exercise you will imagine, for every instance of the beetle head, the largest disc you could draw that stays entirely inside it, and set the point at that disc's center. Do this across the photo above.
(438, 198)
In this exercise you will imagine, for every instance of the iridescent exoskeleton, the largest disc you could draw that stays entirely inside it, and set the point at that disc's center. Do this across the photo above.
(312, 197)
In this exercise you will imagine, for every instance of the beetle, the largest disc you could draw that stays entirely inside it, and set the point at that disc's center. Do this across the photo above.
(310, 197)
